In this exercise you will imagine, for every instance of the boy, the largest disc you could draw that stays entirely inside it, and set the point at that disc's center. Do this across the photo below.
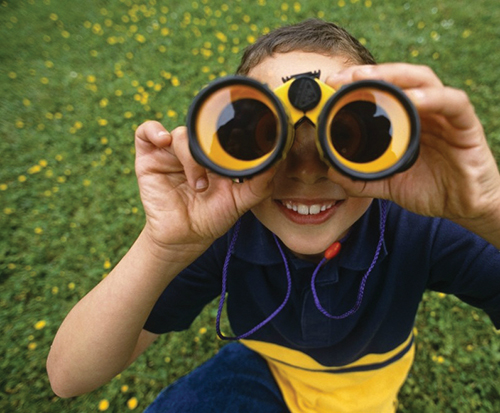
(355, 356)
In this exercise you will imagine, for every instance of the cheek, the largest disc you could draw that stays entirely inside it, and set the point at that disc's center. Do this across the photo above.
(358, 206)
(265, 211)
(355, 208)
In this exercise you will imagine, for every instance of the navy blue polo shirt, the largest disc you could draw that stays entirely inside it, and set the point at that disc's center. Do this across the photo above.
(417, 253)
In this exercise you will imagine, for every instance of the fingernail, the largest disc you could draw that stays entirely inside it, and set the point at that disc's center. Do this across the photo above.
(417, 94)
(201, 184)
(366, 70)
(162, 133)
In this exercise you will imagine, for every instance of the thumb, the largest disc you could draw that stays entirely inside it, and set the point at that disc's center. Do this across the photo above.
(255, 190)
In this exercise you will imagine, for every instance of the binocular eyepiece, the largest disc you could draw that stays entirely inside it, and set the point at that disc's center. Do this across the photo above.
(238, 127)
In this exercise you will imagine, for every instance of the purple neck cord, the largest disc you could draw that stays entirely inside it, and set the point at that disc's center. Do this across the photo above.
(383, 214)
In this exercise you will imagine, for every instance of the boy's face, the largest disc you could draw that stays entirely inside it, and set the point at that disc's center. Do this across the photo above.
(307, 210)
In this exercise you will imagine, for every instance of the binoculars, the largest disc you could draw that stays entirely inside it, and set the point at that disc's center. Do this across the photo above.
(239, 127)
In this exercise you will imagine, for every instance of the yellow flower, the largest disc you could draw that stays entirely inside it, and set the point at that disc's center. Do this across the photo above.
(21, 178)
(132, 403)
(103, 405)
(91, 79)
(438, 359)
(40, 324)
(3, 187)
(102, 122)
(124, 388)
(87, 182)
(107, 264)
(175, 81)
(38, 230)
(31, 346)
(202, 330)
(140, 38)
(71, 286)
(221, 36)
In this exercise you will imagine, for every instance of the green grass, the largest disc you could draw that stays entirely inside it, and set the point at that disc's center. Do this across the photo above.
(77, 78)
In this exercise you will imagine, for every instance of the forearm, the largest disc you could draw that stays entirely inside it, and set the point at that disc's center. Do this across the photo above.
(99, 335)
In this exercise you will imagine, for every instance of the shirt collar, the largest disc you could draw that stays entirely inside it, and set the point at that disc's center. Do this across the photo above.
(256, 243)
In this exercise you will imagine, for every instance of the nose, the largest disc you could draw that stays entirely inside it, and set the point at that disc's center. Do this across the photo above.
(303, 162)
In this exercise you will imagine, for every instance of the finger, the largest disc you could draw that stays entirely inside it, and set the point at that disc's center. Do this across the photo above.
(196, 175)
(153, 132)
(454, 104)
(345, 76)
(253, 191)
(403, 75)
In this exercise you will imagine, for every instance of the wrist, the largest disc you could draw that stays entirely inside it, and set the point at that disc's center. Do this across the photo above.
(170, 250)
(486, 225)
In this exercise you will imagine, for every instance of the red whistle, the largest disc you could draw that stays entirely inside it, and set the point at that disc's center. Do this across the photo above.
(333, 250)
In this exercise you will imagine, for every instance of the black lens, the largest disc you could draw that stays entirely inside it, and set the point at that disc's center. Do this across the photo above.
(247, 129)
(361, 131)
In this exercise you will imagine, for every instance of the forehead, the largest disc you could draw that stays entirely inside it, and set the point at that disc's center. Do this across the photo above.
(273, 68)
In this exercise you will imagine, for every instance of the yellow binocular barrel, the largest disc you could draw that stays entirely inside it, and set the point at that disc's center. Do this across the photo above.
(238, 127)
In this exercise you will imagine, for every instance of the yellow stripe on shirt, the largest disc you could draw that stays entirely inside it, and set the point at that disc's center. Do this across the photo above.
(369, 385)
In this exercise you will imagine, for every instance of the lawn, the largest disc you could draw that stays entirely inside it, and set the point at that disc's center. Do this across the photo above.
(77, 78)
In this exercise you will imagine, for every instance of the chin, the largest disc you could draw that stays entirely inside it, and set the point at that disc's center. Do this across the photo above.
(305, 246)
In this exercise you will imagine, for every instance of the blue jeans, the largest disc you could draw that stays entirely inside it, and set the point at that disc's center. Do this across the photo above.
(236, 380)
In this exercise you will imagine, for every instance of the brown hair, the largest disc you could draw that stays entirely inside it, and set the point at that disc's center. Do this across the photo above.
(312, 35)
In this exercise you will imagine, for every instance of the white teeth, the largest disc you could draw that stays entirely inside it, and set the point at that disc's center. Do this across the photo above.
(307, 210)
(314, 209)
(303, 209)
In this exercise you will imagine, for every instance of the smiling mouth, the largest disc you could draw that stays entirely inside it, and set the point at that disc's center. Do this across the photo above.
(308, 213)
(303, 209)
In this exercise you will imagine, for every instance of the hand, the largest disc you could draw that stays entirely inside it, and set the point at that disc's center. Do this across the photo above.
(186, 205)
(455, 176)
